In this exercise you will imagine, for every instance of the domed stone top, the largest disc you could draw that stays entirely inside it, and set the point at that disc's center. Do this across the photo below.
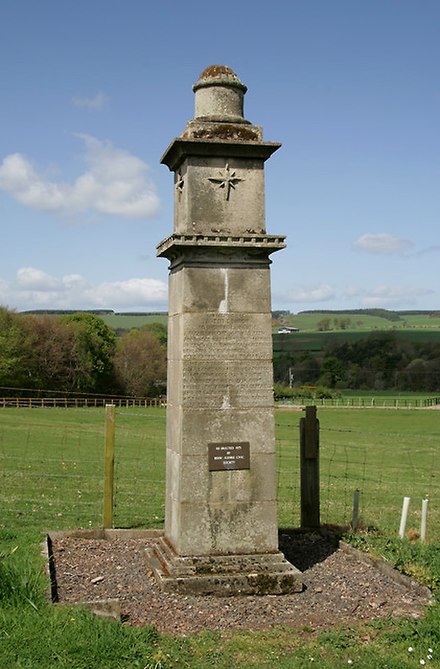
(219, 75)
(219, 95)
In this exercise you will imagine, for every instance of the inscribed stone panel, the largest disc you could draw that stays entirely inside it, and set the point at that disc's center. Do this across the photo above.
(174, 383)
(227, 337)
(227, 384)
(175, 337)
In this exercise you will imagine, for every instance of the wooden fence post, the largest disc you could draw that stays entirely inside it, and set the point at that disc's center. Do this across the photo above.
(109, 465)
(355, 514)
(309, 466)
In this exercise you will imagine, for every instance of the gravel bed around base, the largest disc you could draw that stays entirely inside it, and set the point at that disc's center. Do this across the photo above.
(340, 586)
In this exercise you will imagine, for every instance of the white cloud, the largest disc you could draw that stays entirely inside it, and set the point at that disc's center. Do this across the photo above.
(29, 278)
(131, 292)
(352, 292)
(382, 243)
(115, 183)
(34, 288)
(95, 103)
(392, 296)
(316, 293)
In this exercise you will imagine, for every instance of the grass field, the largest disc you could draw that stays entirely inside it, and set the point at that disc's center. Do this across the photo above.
(361, 398)
(385, 454)
(360, 321)
(51, 478)
(52, 465)
(129, 321)
(318, 341)
(305, 321)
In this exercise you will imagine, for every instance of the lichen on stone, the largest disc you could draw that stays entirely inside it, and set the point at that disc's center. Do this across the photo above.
(213, 71)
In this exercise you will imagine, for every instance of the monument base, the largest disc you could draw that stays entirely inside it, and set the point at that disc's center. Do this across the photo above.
(222, 575)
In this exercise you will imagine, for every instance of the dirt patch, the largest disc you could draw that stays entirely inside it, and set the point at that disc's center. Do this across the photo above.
(341, 585)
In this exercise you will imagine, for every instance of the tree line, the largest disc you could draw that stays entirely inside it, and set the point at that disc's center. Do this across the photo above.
(79, 353)
(380, 361)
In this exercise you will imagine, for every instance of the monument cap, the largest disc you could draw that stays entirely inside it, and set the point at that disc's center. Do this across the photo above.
(218, 75)
(219, 95)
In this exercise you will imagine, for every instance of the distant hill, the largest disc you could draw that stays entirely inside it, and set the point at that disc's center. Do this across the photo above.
(319, 330)
(342, 321)
(357, 320)
(97, 312)
(117, 320)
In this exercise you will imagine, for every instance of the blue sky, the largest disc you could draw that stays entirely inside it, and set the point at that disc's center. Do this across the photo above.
(93, 92)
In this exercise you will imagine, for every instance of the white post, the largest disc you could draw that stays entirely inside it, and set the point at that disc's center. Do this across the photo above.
(404, 516)
(423, 521)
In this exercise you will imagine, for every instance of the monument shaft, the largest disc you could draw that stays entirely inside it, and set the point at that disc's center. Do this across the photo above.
(221, 484)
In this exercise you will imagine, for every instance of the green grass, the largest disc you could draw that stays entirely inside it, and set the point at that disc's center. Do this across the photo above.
(127, 322)
(319, 341)
(359, 322)
(51, 472)
(379, 394)
(361, 398)
(71, 637)
(421, 321)
(51, 478)
(385, 454)
(306, 322)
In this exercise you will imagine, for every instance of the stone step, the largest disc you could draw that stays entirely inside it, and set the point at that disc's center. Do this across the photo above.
(211, 564)
(222, 575)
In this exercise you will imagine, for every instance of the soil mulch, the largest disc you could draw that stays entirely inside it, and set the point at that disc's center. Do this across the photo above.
(341, 585)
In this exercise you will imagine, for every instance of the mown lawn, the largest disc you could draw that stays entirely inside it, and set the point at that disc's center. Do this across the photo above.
(51, 478)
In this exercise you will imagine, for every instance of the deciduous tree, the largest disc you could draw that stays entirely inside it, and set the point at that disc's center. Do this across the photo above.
(140, 364)
(96, 344)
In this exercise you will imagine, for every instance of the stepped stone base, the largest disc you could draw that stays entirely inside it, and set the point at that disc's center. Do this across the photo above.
(222, 575)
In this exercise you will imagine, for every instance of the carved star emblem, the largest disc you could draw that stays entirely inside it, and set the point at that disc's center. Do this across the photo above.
(227, 180)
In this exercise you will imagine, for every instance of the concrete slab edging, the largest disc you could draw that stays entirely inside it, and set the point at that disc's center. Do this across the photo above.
(107, 608)
(111, 607)
(387, 569)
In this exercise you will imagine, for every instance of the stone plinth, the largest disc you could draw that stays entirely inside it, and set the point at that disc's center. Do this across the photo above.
(221, 511)
(223, 575)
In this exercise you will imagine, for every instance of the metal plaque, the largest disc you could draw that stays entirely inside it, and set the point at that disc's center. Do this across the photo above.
(228, 456)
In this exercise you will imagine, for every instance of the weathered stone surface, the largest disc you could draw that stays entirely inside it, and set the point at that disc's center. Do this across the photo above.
(212, 336)
(223, 575)
(219, 95)
(220, 377)
(200, 426)
(242, 485)
(225, 290)
(220, 195)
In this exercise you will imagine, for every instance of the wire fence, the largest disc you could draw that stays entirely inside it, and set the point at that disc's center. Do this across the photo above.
(380, 402)
(52, 463)
(80, 402)
(383, 456)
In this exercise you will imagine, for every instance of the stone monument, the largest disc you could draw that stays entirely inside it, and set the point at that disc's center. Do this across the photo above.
(221, 532)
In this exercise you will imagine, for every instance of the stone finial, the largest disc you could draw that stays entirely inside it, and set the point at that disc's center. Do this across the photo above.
(219, 95)
(219, 75)
(219, 109)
